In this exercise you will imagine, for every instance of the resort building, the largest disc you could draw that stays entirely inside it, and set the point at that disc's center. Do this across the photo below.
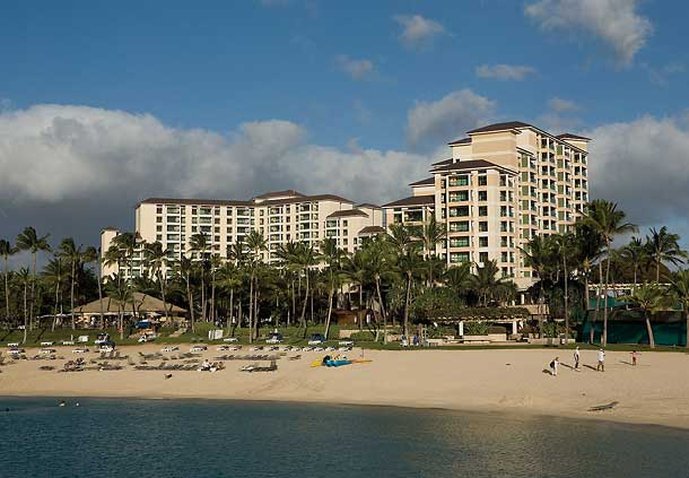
(281, 217)
(502, 185)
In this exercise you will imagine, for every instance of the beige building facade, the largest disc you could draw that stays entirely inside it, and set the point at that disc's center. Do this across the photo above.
(502, 185)
(281, 217)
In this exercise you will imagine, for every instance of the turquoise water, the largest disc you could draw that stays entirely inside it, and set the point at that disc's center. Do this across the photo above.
(122, 438)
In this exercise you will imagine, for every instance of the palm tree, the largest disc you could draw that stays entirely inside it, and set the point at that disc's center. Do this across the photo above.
(663, 246)
(650, 299)
(410, 264)
(487, 284)
(25, 279)
(459, 278)
(332, 256)
(379, 260)
(72, 254)
(679, 287)
(605, 219)
(91, 255)
(198, 243)
(7, 250)
(256, 244)
(636, 254)
(54, 275)
(355, 270)
(184, 269)
(431, 234)
(564, 246)
(229, 279)
(29, 240)
(155, 258)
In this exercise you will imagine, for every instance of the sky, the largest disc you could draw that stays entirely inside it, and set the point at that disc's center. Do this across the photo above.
(103, 104)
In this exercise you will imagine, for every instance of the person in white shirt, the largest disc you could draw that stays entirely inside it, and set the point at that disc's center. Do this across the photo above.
(577, 358)
(601, 361)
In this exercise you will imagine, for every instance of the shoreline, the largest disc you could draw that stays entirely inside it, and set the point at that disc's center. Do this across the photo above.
(508, 382)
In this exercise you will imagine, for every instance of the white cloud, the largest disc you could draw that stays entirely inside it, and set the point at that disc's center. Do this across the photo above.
(642, 165)
(504, 72)
(560, 105)
(356, 69)
(450, 116)
(418, 31)
(616, 23)
(91, 165)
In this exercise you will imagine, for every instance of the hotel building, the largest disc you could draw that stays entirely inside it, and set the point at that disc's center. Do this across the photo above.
(502, 185)
(281, 217)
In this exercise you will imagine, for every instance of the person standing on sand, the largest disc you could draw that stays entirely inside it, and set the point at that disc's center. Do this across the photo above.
(577, 358)
(553, 366)
(634, 357)
(601, 361)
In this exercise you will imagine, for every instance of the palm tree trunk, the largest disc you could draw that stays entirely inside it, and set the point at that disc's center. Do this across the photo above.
(604, 339)
(649, 330)
(302, 320)
(203, 297)
(330, 311)
(686, 316)
(190, 299)
(256, 321)
(57, 301)
(100, 295)
(71, 295)
(26, 316)
(382, 311)
(161, 281)
(213, 296)
(33, 293)
(230, 319)
(7, 290)
(251, 308)
(658, 270)
(406, 306)
(564, 262)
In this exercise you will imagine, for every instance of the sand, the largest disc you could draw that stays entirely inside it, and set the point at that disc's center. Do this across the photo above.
(656, 391)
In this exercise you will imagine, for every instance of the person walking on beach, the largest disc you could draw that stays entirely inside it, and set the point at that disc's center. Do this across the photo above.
(553, 366)
(634, 357)
(601, 361)
(577, 358)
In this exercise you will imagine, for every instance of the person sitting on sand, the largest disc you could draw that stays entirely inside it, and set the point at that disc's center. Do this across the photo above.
(205, 366)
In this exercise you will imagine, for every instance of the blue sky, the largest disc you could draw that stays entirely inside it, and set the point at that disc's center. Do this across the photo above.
(354, 82)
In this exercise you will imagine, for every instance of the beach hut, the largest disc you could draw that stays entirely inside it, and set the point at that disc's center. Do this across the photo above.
(142, 306)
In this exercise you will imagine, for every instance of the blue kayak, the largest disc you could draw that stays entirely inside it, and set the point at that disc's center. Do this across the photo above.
(337, 363)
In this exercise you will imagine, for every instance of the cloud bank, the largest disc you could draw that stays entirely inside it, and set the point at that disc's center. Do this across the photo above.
(89, 166)
(356, 69)
(505, 72)
(447, 118)
(417, 31)
(615, 23)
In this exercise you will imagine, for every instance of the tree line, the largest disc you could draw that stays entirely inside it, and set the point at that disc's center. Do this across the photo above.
(391, 279)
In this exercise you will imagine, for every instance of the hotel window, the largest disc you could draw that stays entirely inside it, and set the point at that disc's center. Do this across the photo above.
(459, 241)
(503, 257)
(194, 229)
(459, 257)
(159, 228)
(483, 210)
(345, 241)
(159, 219)
(483, 257)
(503, 241)
(483, 241)
(216, 238)
(159, 209)
(483, 195)
(462, 180)
(483, 180)
(344, 223)
(159, 237)
(483, 226)
(216, 230)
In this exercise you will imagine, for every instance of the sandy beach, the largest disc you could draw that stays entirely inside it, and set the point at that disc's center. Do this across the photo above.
(656, 391)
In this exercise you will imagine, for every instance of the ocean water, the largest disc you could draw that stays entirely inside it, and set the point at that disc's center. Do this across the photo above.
(190, 438)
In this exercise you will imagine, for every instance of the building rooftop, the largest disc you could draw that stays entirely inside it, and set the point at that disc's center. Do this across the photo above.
(424, 182)
(469, 164)
(279, 194)
(368, 205)
(317, 197)
(370, 230)
(572, 136)
(347, 213)
(413, 201)
(444, 162)
(501, 127)
(200, 202)
(460, 141)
